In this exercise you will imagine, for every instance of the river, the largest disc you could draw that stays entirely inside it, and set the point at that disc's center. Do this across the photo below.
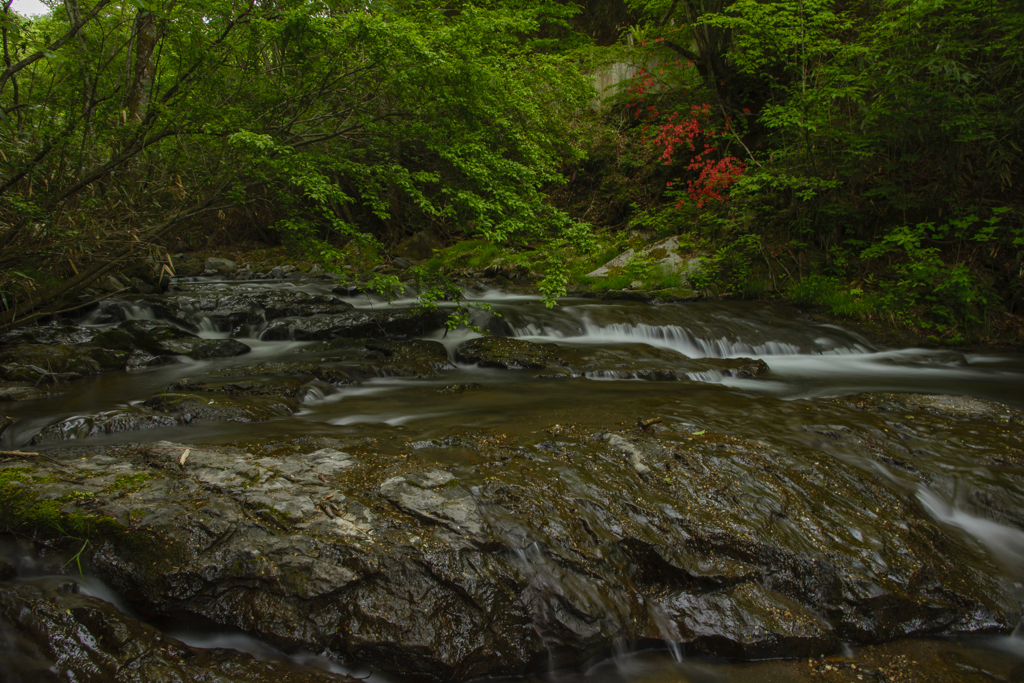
(688, 369)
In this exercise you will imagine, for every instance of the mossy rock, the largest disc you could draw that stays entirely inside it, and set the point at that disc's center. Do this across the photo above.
(510, 354)
(116, 340)
(223, 408)
(280, 369)
(52, 358)
(108, 359)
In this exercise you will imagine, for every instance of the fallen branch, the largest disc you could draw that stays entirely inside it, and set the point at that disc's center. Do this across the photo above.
(59, 295)
(22, 455)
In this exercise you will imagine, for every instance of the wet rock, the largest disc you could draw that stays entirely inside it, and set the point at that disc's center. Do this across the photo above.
(626, 295)
(231, 313)
(230, 408)
(110, 422)
(419, 247)
(27, 360)
(745, 368)
(161, 338)
(758, 622)
(280, 551)
(283, 304)
(306, 371)
(437, 497)
(509, 354)
(392, 322)
(957, 406)
(410, 358)
(242, 311)
(221, 266)
(56, 333)
(115, 340)
(459, 388)
(349, 290)
(24, 391)
(285, 387)
(49, 632)
(108, 360)
(548, 549)
(559, 361)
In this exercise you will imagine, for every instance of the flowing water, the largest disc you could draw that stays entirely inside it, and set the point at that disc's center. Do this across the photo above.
(809, 364)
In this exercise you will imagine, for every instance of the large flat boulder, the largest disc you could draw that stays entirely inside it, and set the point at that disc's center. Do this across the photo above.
(551, 547)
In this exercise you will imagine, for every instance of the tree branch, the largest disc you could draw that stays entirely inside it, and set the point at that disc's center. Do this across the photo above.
(52, 47)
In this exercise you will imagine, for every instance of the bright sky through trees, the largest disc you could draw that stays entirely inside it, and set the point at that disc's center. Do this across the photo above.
(29, 8)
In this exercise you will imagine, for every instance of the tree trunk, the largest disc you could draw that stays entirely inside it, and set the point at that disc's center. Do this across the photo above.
(145, 67)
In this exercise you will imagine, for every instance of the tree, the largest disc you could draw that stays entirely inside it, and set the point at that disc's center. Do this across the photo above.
(328, 119)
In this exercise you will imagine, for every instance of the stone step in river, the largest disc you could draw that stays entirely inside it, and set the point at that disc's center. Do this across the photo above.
(602, 491)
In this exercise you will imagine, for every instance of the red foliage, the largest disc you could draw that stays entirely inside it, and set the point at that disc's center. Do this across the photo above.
(715, 175)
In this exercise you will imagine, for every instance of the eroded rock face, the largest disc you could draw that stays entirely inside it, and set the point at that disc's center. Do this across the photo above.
(50, 632)
(436, 496)
(548, 548)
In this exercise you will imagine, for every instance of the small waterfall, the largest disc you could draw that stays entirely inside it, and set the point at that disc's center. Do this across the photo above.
(112, 311)
(1005, 544)
(138, 311)
(314, 394)
(671, 337)
(706, 376)
(208, 329)
(668, 630)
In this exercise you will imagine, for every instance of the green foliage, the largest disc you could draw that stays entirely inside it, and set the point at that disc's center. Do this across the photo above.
(556, 275)
(829, 292)
(919, 287)
(867, 128)
(324, 122)
(434, 287)
(387, 286)
(469, 255)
